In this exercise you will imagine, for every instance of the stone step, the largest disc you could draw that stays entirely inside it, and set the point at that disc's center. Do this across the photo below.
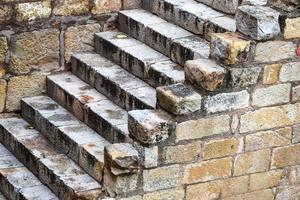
(117, 84)
(17, 182)
(138, 58)
(169, 39)
(88, 105)
(191, 15)
(83, 145)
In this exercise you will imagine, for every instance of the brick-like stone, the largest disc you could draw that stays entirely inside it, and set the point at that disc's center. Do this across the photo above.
(80, 39)
(222, 148)
(171, 194)
(257, 195)
(226, 6)
(267, 139)
(3, 49)
(178, 99)
(27, 53)
(227, 101)
(272, 95)
(266, 180)
(106, 6)
(2, 94)
(258, 22)
(23, 86)
(286, 156)
(252, 162)
(292, 28)
(229, 48)
(296, 93)
(33, 11)
(271, 73)
(267, 118)
(290, 72)
(196, 129)
(161, 178)
(205, 74)
(71, 7)
(181, 153)
(272, 51)
(243, 77)
(207, 170)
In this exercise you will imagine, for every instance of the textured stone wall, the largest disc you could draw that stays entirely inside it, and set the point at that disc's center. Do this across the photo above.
(37, 38)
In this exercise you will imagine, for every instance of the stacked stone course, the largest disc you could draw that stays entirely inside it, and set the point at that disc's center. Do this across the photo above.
(188, 100)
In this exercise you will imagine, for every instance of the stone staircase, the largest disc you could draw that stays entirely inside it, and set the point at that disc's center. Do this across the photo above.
(133, 89)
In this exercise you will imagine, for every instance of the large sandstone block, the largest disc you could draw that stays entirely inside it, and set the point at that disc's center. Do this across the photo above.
(271, 73)
(170, 194)
(71, 7)
(35, 50)
(257, 195)
(266, 180)
(33, 11)
(2, 94)
(292, 28)
(106, 6)
(286, 156)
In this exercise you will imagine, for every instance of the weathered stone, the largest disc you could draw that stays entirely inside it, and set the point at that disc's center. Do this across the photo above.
(161, 178)
(219, 25)
(227, 101)
(171, 194)
(80, 39)
(2, 72)
(3, 49)
(272, 51)
(266, 180)
(229, 48)
(294, 175)
(286, 5)
(181, 153)
(207, 170)
(121, 158)
(2, 94)
(196, 129)
(178, 99)
(6, 13)
(267, 118)
(258, 22)
(296, 134)
(272, 95)
(71, 7)
(222, 148)
(148, 126)
(205, 74)
(23, 86)
(290, 72)
(150, 156)
(27, 53)
(267, 139)
(296, 93)
(292, 28)
(271, 73)
(33, 11)
(131, 4)
(288, 192)
(106, 6)
(243, 77)
(226, 6)
(286, 156)
(254, 2)
(258, 195)
(252, 162)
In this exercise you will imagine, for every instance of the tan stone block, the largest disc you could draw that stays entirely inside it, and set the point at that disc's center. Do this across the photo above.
(172, 194)
(196, 129)
(181, 153)
(35, 50)
(106, 6)
(80, 39)
(292, 28)
(266, 180)
(2, 72)
(23, 86)
(267, 139)
(296, 134)
(286, 156)
(3, 48)
(257, 195)
(267, 118)
(130, 198)
(71, 7)
(207, 170)
(294, 175)
(271, 73)
(2, 94)
(33, 10)
(252, 162)
(222, 148)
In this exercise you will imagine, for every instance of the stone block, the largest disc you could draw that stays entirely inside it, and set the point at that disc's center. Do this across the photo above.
(178, 99)
(288, 192)
(229, 48)
(294, 175)
(71, 7)
(271, 73)
(3, 48)
(149, 126)
(290, 72)
(266, 180)
(258, 195)
(272, 95)
(258, 22)
(252, 162)
(171, 194)
(292, 28)
(227, 101)
(243, 77)
(33, 11)
(296, 93)
(254, 2)
(6, 14)
(3, 85)
(286, 156)
(226, 6)
(106, 6)
(197, 129)
(219, 25)
(205, 74)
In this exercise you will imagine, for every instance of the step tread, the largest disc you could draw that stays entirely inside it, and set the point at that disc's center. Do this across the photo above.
(22, 182)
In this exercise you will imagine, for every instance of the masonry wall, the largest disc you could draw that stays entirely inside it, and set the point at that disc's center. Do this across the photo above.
(38, 37)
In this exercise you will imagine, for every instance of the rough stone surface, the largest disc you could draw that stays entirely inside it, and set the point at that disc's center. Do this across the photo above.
(286, 156)
(226, 6)
(33, 11)
(6, 13)
(205, 74)
(171, 194)
(3, 49)
(288, 192)
(243, 77)
(271, 73)
(254, 2)
(106, 6)
(131, 4)
(258, 22)
(219, 25)
(292, 28)
(71, 7)
(290, 72)
(2, 94)
(266, 180)
(178, 99)
(296, 93)
(258, 195)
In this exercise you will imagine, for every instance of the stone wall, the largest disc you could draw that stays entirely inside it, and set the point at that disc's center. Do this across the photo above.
(37, 38)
